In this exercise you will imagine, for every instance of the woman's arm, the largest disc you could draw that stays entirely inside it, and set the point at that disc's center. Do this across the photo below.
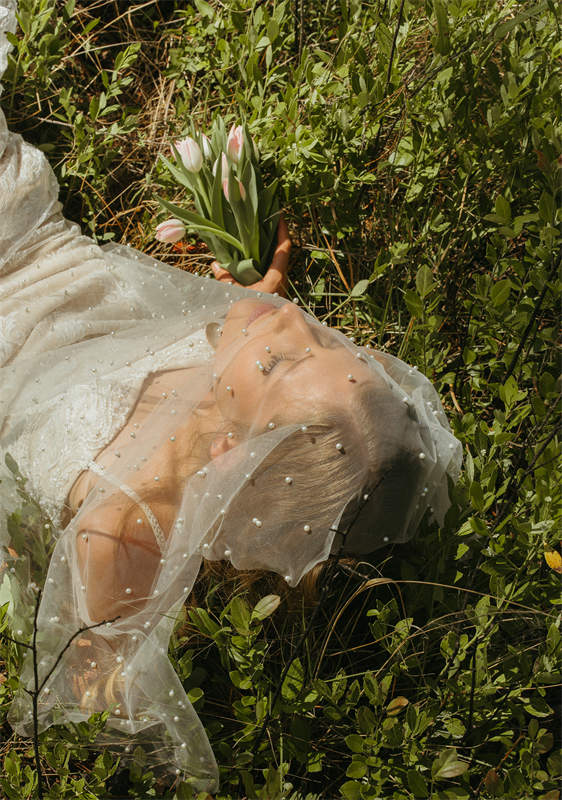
(275, 279)
(117, 570)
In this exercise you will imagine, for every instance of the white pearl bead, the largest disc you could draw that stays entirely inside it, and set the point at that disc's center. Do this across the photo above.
(306, 528)
(288, 578)
(46, 690)
(93, 664)
(288, 480)
(156, 478)
(421, 456)
(271, 425)
(139, 521)
(172, 438)
(257, 522)
(350, 377)
(267, 349)
(244, 331)
(227, 553)
(307, 349)
(176, 719)
(229, 388)
(339, 446)
(385, 538)
(119, 659)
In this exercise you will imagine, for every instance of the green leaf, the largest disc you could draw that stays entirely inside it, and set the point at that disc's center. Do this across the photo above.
(351, 790)
(239, 614)
(359, 288)
(396, 705)
(424, 280)
(442, 41)
(417, 783)
(355, 743)
(266, 606)
(293, 682)
(537, 706)
(499, 292)
(503, 209)
(414, 303)
(195, 223)
(547, 207)
(357, 769)
(447, 765)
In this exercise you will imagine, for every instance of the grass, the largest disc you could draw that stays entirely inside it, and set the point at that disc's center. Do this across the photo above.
(418, 146)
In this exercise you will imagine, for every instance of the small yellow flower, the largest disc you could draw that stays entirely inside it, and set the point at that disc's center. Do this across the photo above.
(554, 560)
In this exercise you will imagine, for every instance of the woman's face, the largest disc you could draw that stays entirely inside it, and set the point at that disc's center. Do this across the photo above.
(275, 364)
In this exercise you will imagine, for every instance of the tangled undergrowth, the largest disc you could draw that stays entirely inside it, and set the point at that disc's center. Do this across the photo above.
(418, 146)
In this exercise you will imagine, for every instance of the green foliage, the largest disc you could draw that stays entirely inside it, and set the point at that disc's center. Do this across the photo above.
(418, 149)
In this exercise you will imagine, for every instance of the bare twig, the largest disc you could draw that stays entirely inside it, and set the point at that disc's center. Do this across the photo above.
(38, 685)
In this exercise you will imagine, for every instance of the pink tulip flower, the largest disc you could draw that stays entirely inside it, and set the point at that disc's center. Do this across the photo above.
(190, 154)
(224, 166)
(207, 151)
(172, 230)
(235, 143)
(240, 186)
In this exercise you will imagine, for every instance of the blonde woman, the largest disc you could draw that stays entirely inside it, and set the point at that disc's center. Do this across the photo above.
(162, 420)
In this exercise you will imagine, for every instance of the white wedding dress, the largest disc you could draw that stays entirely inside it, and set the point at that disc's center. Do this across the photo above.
(82, 327)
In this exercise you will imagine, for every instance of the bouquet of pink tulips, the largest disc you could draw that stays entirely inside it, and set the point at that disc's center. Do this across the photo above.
(237, 216)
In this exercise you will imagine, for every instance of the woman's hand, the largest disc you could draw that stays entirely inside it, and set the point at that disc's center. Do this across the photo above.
(275, 279)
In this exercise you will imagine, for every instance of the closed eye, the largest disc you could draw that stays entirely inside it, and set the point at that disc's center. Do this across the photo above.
(275, 360)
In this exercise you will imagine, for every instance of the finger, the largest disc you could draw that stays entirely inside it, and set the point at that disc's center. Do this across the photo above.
(220, 273)
(274, 280)
(280, 260)
(283, 236)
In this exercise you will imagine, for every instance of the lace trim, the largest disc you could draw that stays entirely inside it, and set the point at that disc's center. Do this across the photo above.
(154, 524)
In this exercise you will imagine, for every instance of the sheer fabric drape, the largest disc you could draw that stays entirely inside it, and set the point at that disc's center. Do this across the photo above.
(108, 371)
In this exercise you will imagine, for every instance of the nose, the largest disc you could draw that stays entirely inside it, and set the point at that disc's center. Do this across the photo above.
(291, 316)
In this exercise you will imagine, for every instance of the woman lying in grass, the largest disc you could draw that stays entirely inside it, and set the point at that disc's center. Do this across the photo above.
(162, 419)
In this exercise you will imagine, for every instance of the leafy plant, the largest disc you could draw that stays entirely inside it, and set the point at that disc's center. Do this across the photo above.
(418, 146)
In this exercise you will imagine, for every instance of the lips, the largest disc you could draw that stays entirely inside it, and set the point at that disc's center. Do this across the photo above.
(258, 312)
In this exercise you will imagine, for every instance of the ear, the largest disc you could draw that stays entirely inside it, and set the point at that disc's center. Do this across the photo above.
(226, 452)
(220, 445)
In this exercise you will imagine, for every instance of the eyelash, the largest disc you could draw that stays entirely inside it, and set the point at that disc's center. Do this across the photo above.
(276, 359)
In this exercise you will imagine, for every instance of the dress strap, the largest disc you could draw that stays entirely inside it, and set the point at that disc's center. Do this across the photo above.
(151, 517)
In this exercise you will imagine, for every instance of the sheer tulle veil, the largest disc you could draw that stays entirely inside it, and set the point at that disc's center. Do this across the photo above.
(112, 371)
